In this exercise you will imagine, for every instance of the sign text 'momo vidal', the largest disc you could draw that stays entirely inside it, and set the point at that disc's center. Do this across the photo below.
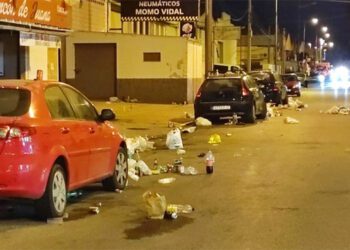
(159, 8)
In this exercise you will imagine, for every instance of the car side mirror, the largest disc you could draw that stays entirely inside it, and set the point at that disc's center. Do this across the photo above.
(107, 115)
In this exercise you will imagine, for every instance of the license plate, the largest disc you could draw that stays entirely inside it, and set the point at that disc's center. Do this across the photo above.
(221, 107)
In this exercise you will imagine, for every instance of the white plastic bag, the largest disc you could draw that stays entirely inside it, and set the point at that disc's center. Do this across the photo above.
(173, 139)
(145, 170)
(200, 121)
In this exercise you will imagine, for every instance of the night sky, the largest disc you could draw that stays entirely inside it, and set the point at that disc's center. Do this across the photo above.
(335, 14)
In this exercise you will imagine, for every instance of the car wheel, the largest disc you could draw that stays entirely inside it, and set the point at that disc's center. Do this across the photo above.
(54, 201)
(120, 174)
(263, 113)
(278, 100)
(251, 116)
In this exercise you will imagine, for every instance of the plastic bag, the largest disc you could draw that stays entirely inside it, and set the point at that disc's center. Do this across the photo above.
(290, 120)
(173, 139)
(200, 121)
(214, 139)
(155, 205)
(142, 166)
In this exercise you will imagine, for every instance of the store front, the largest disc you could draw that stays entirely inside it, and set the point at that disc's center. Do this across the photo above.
(31, 32)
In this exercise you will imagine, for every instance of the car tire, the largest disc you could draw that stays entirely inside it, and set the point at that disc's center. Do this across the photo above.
(54, 201)
(251, 116)
(120, 173)
(263, 113)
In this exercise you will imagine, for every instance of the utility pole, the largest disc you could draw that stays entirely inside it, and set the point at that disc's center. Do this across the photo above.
(249, 61)
(276, 32)
(208, 36)
(283, 70)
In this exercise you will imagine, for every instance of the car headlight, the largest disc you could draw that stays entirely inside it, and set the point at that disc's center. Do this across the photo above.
(321, 78)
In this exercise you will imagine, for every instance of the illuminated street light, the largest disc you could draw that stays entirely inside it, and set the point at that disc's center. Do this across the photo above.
(324, 29)
(331, 44)
(314, 21)
(309, 44)
(327, 35)
(321, 42)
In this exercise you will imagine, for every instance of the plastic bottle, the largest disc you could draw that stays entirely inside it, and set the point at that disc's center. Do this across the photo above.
(209, 161)
(179, 208)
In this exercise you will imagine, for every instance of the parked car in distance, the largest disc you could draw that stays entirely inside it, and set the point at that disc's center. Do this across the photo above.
(228, 95)
(292, 83)
(53, 141)
(223, 68)
(272, 86)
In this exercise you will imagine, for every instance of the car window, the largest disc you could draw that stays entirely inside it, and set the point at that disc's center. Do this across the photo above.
(14, 102)
(81, 106)
(214, 85)
(58, 104)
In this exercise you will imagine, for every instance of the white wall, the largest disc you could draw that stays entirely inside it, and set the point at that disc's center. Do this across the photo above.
(37, 60)
(130, 49)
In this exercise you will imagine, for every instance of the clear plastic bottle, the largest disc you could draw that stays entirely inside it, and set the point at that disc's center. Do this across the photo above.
(209, 161)
(180, 208)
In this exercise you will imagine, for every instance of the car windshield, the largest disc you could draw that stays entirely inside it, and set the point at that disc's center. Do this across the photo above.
(14, 102)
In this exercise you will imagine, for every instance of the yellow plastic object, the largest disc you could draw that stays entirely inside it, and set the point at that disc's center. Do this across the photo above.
(214, 139)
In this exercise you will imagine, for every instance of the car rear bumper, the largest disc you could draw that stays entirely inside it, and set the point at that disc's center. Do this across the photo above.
(205, 110)
(21, 177)
(293, 91)
(272, 97)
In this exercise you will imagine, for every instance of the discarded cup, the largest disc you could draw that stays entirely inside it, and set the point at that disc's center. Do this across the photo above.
(166, 180)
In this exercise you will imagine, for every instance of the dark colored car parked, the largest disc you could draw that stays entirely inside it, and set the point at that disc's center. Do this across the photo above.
(224, 96)
(292, 83)
(272, 86)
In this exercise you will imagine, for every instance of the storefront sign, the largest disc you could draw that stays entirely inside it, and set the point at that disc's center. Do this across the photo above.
(162, 10)
(187, 29)
(54, 13)
(37, 39)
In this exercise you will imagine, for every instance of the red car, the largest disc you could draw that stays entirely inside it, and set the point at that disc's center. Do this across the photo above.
(52, 141)
(293, 84)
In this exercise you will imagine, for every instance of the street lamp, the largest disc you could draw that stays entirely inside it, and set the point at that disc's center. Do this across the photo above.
(314, 21)
(324, 29)
(331, 44)
(327, 35)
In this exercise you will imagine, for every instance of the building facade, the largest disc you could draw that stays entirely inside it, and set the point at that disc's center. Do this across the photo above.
(31, 33)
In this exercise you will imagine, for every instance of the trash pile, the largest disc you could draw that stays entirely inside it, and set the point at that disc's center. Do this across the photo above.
(158, 208)
(342, 110)
(273, 111)
(296, 104)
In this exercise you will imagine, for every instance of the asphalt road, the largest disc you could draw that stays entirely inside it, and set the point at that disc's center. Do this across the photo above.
(274, 186)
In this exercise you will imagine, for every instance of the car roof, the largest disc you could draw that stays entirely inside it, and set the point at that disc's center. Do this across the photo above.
(227, 75)
(27, 84)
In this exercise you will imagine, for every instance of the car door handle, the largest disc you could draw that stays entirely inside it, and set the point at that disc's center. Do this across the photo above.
(91, 130)
(65, 130)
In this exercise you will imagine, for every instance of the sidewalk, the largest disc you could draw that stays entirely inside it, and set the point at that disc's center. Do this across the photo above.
(140, 119)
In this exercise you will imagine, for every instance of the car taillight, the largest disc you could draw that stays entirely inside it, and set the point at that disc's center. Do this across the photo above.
(245, 91)
(199, 93)
(3, 132)
(8, 132)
